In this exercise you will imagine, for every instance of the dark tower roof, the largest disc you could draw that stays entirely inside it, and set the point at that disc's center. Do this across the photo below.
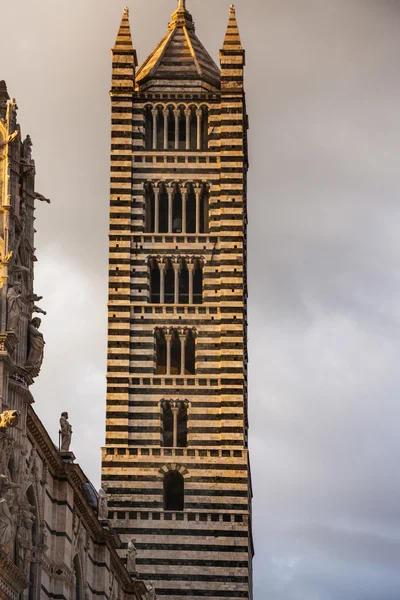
(180, 59)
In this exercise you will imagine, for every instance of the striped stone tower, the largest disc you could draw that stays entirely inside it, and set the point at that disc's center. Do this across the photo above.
(176, 462)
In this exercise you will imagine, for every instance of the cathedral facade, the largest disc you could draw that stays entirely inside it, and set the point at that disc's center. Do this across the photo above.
(55, 538)
(176, 461)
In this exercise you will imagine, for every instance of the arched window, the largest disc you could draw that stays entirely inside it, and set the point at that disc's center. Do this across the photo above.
(169, 283)
(175, 354)
(198, 283)
(190, 353)
(154, 281)
(184, 283)
(161, 352)
(168, 425)
(163, 210)
(149, 209)
(182, 129)
(174, 491)
(78, 579)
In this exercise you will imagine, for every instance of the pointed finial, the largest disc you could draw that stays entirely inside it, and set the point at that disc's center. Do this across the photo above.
(232, 8)
(181, 4)
(126, 11)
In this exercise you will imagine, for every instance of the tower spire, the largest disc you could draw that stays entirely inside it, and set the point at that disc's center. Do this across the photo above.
(124, 57)
(232, 38)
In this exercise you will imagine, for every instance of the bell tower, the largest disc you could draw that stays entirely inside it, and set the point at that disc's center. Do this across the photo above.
(176, 462)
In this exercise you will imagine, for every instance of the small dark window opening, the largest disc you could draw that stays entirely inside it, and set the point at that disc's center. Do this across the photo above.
(149, 129)
(182, 428)
(191, 213)
(160, 130)
(204, 213)
(169, 285)
(204, 133)
(193, 130)
(174, 489)
(198, 285)
(184, 285)
(182, 130)
(149, 212)
(154, 283)
(168, 425)
(171, 131)
(175, 354)
(161, 353)
(163, 207)
(177, 213)
(190, 360)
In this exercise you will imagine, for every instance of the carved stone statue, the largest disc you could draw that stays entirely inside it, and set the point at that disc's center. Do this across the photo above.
(36, 347)
(24, 538)
(9, 418)
(131, 557)
(65, 433)
(7, 502)
(102, 505)
(15, 306)
(151, 593)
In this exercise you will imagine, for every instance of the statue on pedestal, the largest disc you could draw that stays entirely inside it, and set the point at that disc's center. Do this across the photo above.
(15, 305)
(36, 347)
(131, 558)
(65, 433)
(102, 505)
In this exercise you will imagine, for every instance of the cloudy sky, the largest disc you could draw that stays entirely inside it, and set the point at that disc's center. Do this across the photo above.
(323, 87)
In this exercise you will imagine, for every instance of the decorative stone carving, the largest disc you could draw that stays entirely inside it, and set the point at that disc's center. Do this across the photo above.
(15, 305)
(9, 418)
(65, 433)
(102, 505)
(36, 348)
(131, 558)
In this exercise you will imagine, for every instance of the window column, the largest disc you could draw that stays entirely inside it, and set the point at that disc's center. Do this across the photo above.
(188, 114)
(165, 113)
(156, 210)
(168, 338)
(198, 194)
(177, 114)
(162, 283)
(184, 200)
(154, 112)
(191, 275)
(170, 191)
(199, 114)
(176, 266)
(175, 414)
(183, 353)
